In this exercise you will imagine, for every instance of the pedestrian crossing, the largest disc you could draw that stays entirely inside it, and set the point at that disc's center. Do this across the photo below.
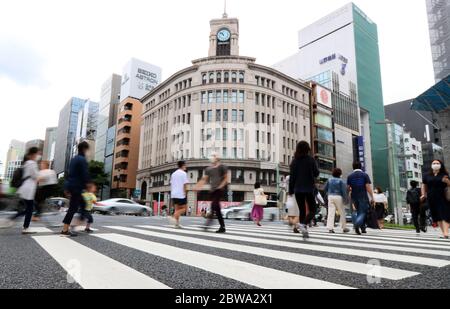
(269, 257)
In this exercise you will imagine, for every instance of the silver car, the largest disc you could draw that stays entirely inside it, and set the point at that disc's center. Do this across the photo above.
(243, 211)
(120, 206)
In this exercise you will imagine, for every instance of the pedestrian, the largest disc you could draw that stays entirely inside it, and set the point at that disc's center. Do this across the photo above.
(381, 206)
(178, 183)
(90, 199)
(336, 190)
(46, 188)
(418, 208)
(28, 187)
(434, 187)
(360, 187)
(259, 203)
(302, 183)
(217, 176)
(77, 180)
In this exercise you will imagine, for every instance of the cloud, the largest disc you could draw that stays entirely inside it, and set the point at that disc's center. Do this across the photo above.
(21, 63)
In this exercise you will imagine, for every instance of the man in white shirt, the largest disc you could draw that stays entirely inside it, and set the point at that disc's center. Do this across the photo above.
(178, 183)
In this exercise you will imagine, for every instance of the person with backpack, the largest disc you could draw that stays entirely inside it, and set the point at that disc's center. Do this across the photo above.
(25, 179)
(418, 210)
(217, 176)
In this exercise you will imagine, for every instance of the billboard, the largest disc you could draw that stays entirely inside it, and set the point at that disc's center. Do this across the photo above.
(323, 96)
(138, 79)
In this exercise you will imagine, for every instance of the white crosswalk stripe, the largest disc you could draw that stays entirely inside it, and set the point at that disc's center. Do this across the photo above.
(93, 270)
(401, 255)
(251, 274)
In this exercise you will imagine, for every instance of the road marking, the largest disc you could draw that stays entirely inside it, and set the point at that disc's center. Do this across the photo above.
(336, 264)
(410, 259)
(372, 234)
(93, 270)
(385, 240)
(40, 230)
(251, 274)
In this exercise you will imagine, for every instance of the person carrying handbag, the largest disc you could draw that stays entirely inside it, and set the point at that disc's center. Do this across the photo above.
(258, 204)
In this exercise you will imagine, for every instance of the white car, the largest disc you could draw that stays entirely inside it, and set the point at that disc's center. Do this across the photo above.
(120, 206)
(244, 211)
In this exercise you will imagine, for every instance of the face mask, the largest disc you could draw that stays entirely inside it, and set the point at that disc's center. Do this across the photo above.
(436, 167)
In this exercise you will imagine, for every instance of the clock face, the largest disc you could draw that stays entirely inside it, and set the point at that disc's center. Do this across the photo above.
(224, 35)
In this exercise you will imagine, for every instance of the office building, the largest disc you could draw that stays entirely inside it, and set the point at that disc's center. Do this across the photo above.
(421, 124)
(86, 128)
(251, 115)
(107, 117)
(139, 78)
(413, 158)
(66, 132)
(341, 52)
(14, 158)
(38, 143)
(48, 153)
(439, 26)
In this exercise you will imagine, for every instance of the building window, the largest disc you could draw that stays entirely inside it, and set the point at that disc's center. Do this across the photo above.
(218, 115)
(256, 117)
(225, 96)
(211, 78)
(241, 77)
(210, 97)
(209, 117)
(226, 78)
(233, 77)
(204, 79)
(235, 135)
(218, 97)
(218, 134)
(204, 98)
(234, 97)
(225, 134)
(208, 135)
(234, 115)
(241, 116)
(241, 96)
(219, 77)
(225, 115)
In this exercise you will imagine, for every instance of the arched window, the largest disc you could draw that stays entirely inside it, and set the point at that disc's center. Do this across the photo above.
(219, 77)
(241, 78)
(226, 78)
(211, 78)
(234, 77)
(204, 78)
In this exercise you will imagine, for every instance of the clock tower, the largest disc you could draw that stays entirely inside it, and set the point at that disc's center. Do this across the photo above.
(224, 37)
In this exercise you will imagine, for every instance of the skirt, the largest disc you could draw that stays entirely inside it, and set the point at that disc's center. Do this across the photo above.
(257, 213)
(380, 211)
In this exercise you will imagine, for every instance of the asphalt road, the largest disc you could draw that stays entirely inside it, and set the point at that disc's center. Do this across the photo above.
(134, 252)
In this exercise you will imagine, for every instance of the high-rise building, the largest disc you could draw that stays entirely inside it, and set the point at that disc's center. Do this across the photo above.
(86, 128)
(251, 115)
(439, 26)
(421, 124)
(48, 153)
(107, 119)
(139, 78)
(14, 158)
(38, 143)
(340, 51)
(413, 158)
(67, 129)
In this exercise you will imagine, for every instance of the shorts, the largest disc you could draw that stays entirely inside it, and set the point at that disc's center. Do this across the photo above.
(179, 201)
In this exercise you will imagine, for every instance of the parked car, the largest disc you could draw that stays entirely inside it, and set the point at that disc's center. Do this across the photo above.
(121, 207)
(389, 219)
(243, 211)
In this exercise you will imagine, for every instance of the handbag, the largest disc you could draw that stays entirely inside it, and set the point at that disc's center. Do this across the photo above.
(260, 198)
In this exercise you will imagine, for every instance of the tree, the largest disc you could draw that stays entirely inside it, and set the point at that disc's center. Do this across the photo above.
(98, 175)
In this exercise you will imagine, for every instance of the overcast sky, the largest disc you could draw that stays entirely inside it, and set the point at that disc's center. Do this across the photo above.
(51, 50)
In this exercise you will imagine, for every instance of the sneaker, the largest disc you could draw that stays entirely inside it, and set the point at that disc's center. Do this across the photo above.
(68, 234)
(89, 231)
(346, 231)
(172, 220)
(178, 226)
(424, 229)
(444, 237)
(331, 232)
(221, 231)
(363, 231)
(418, 231)
(304, 231)
(27, 232)
(357, 231)
(296, 231)
(259, 224)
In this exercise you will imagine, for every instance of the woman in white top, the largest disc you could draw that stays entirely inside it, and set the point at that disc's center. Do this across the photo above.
(259, 203)
(381, 206)
(27, 190)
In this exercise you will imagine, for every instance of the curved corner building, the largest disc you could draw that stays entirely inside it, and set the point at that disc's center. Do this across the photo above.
(249, 114)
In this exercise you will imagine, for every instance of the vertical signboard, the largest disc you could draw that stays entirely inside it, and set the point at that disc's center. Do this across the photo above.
(138, 79)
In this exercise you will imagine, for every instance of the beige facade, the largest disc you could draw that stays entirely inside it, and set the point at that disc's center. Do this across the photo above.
(251, 115)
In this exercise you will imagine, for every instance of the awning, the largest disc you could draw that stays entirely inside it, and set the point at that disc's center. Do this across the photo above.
(435, 99)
